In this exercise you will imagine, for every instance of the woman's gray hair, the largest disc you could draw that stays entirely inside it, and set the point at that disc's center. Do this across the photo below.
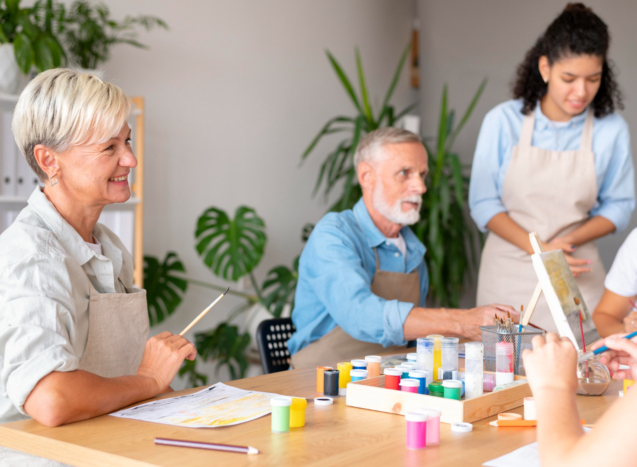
(368, 147)
(61, 108)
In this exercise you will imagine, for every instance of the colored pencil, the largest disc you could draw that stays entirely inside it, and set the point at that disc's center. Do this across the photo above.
(203, 313)
(210, 446)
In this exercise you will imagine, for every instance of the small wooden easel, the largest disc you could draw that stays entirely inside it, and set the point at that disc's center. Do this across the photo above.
(526, 316)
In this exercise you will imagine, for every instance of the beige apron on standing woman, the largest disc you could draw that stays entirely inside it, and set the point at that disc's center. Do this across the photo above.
(338, 346)
(551, 193)
(117, 333)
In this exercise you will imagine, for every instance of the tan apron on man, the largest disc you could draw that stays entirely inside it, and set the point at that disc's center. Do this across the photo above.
(117, 333)
(338, 346)
(551, 193)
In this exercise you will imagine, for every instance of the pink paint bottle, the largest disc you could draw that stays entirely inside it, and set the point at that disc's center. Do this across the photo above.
(409, 385)
(503, 363)
(433, 425)
(416, 430)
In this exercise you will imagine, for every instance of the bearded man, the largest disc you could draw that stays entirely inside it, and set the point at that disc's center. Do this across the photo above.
(363, 280)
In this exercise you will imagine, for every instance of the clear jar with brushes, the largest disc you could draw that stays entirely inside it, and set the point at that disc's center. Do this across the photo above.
(521, 340)
(593, 377)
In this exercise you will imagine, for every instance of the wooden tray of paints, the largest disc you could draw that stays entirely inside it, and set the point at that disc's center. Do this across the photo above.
(371, 394)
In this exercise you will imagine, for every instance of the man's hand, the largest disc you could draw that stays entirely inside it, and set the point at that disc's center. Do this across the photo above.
(163, 355)
(484, 316)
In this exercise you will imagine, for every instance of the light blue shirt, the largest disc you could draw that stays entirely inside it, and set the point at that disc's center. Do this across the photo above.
(501, 131)
(336, 270)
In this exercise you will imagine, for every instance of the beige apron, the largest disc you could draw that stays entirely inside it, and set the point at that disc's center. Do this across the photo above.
(117, 333)
(338, 346)
(551, 193)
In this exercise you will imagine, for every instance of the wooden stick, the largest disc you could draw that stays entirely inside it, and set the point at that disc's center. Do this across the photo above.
(203, 313)
(537, 248)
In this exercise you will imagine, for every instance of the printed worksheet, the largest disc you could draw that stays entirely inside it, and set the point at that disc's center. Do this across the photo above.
(217, 405)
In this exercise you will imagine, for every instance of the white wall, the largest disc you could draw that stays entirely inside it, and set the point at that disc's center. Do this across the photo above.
(234, 93)
(462, 42)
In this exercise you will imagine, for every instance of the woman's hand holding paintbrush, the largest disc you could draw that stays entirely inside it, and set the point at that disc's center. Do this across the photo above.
(622, 352)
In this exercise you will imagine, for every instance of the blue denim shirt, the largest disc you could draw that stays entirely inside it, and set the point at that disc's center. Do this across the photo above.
(336, 271)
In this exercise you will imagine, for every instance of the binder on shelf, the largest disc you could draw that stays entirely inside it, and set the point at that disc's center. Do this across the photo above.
(26, 179)
(8, 157)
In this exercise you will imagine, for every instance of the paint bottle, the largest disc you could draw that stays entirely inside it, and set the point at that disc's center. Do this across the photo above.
(449, 364)
(421, 376)
(357, 375)
(503, 363)
(488, 381)
(452, 389)
(330, 382)
(412, 357)
(416, 430)
(373, 365)
(425, 355)
(436, 389)
(529, 409)
(473, 369)
(628, 383)
(280, 414)
(500, 387)
(437, 352)
(297, 412)
(319, 377)
(359, 364)
(392, 378)
(433, 425)
(343, 374)
(404, 369)
(409, 385)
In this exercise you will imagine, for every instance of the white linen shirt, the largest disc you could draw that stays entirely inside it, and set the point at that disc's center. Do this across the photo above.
(45, 269)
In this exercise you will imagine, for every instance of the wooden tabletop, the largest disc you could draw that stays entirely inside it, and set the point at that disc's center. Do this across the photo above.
(333, 435)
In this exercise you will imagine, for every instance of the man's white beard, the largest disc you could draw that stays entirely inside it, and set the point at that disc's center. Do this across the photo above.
(395, 213)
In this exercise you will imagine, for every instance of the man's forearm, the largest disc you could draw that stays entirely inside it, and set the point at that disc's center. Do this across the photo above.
(425, 321)
(65, 397)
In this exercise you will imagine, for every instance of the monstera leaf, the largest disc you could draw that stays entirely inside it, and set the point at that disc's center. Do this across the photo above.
(279, 287)
(231, 248)
(164, 290)
(227, 346)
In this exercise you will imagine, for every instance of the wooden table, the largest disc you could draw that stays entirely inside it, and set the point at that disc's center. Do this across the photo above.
(333, 435)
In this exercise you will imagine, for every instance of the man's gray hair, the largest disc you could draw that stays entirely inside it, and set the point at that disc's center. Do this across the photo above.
(368, 147)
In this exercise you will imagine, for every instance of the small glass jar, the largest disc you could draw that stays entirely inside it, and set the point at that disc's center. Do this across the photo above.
(596, 381)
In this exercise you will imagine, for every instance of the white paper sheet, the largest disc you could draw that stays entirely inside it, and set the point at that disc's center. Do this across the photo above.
(214, 406)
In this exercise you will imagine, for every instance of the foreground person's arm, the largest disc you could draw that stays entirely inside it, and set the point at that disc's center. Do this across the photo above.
(551, 371)
(65, 397)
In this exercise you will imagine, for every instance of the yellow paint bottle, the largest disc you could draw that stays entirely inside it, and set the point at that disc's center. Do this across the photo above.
(437, 353)
(627, 384)
(343, 376)
(297, 412)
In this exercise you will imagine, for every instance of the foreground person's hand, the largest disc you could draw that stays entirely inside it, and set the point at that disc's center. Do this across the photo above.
(551, 365)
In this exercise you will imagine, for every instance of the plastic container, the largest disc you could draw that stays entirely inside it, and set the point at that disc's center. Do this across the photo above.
(437, 352)
(473, 369)
(503, 363)
(520, 340)
(343, 374)
(421, 376)
(416, 430)
(280, 414)
(436, 389)
(409, 385)
(404, 370)
(357, 375)
(330, 378)
(392, 378)
(529, 409)
(628, 383)
(449, 357)
(297, 412)
(425, 354)
(412, 365)
(412, 357)
(452, 389)
(433, 425)
(509, 385)
(319, 378)
(488, 381)
(373, 365)
(359, 364)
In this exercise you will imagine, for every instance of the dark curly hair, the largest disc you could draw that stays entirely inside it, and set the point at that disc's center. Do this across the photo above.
(576, 31)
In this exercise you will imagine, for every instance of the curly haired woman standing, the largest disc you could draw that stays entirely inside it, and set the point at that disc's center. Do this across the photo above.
(555, 160)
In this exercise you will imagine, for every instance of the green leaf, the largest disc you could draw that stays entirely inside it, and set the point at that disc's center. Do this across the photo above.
(3, 37)
(344, 80)
(43, 55)
(467, 113)
(23, 50)
(279, 287)
(231, 248)
(456, 172)
(325, 130)
(225, 345)
(405, 111)
(28, 27)
(361, 79)
(194, 378)
(442, 134)
(445, 199)
(164, 289)
(394, 82)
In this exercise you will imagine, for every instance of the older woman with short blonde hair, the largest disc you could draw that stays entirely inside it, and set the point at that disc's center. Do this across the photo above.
(73, 327)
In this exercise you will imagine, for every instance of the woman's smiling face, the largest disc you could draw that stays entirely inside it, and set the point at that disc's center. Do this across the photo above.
(97, 174)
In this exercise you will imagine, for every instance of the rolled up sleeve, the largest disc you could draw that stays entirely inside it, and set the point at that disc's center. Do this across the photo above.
(484, 194)
(35, 323)
(616, 195)
(333, 267)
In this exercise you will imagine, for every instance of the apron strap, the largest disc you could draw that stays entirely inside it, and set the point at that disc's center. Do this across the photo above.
(526, 134)
(586, 143)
